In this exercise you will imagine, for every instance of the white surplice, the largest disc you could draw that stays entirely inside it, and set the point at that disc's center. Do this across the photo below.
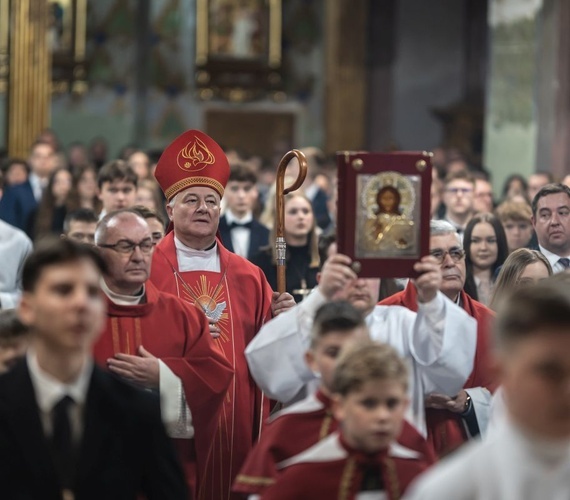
(438, 343)
(507, 466)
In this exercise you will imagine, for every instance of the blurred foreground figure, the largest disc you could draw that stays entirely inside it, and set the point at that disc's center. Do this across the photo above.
(67, 429)
(530, 457)
(13, 339)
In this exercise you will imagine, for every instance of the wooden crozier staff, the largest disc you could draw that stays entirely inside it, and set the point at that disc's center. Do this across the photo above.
(280, 192)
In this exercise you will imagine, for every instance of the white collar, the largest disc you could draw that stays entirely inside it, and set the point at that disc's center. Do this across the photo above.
(121, 299)
(231, 217)
(49, 390)
(190, 259)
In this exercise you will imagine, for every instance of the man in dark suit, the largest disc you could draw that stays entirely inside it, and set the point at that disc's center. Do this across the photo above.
(239, 231)
(68, 429)
(551, 222)
(19, 202)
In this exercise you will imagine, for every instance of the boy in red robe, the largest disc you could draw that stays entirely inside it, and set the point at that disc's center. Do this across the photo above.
(191, 263)
(155, 340)
(297, 428)
(370, 385)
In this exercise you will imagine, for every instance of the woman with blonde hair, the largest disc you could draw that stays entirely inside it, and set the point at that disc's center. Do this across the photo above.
(521, 268)
(302, 256)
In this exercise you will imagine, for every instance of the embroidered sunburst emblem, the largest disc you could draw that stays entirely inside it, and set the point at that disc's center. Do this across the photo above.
(210, 301)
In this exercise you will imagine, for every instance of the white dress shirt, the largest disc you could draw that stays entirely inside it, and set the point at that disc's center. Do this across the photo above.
(240, 235)
(553, 259)
(49, 391)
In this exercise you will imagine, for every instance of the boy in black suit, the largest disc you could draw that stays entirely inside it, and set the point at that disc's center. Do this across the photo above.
(67, 429)
(239, 231)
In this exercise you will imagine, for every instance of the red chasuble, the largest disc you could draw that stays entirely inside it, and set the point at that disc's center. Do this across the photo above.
(332, 470)
(445, 428)
(296, 429)
(239, 299)
(179, 336)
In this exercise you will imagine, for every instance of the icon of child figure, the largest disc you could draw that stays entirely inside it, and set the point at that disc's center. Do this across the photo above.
(388, 228)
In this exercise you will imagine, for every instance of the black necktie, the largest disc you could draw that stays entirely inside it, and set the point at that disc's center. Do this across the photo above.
(239, 224)
(564, 262)
(62, 442)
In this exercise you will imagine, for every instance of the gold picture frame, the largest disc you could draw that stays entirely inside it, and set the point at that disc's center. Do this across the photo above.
(238, 48)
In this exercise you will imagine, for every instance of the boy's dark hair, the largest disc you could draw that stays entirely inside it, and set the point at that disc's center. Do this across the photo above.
(10, 325)
(52, 251)
(15, 161)
(242, 173)
(147, 213)
(549, 189)
(528, 310)
(339, 316)
(368, 361)
(80, 215)
(116, 170)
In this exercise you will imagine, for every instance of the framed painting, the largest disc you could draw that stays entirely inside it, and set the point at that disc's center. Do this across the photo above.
(67, 40)
(384, 211)
(238, 48)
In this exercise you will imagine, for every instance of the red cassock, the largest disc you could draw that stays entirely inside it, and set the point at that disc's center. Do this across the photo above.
(239, 298)
(296, 429)
(445, 429)
(332, 469)
(179, 336)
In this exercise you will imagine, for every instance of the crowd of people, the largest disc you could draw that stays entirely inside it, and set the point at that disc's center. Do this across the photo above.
(145, 350)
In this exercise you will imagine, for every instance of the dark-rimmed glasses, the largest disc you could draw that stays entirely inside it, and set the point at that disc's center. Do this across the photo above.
(455, 253)
(128, 246)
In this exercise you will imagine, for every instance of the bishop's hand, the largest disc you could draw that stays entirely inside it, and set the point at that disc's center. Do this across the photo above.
(281, 303)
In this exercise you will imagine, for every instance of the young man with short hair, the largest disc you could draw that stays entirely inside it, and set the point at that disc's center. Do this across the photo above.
(19, 202)
(117, 183)
(154, 220)
(91, 436)
(239, 231)
(530, 457)
(458, 198)
(364, 459)
(80, 225)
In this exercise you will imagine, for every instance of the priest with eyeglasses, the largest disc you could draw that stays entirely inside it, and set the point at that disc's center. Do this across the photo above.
(451, 421)
(158, 342)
